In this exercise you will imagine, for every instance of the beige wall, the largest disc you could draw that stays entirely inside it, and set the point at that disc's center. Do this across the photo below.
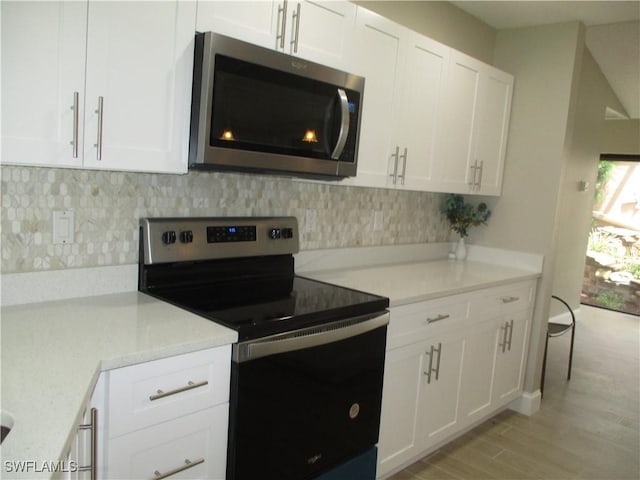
(441, 21)
(543, 60)
(621, 137)
(581, 164)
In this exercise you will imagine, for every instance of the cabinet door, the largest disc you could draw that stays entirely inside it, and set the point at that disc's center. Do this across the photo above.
(251, 21)
(139, 70)
(440, 389)
(377, 56)
(421, 86)
(492, 129)
(513, 336)
(403, 372)
(195, 444)
(477, 372)
(455, 169)
(319, 31)
(43, 58)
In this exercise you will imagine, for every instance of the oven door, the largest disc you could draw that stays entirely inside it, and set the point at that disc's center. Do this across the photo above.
(306, 401)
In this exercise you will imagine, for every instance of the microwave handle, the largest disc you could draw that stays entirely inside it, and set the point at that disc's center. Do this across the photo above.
(344, 124)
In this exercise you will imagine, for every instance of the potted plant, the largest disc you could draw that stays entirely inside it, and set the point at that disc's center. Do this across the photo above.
(461, 216)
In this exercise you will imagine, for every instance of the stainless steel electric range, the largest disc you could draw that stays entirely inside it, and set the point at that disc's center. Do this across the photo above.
(306, 380)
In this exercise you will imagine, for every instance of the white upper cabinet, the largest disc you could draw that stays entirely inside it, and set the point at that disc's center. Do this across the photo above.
(43, 59)
(474, 126)
(433, 119)
(315, 30)
(139, 65)
(417, 126)
(403, 74)
(493, 129)
(377, 56)
(103, 85)
(252, 21)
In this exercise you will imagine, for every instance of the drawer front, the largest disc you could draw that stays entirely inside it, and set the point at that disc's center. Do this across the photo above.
(153, 392)
(504, 299)
(417, 321)
(193, 446)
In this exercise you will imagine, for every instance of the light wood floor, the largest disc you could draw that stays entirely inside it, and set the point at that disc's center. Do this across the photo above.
(587, 428)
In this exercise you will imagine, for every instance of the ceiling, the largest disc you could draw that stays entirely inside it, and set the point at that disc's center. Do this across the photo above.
(612, 35)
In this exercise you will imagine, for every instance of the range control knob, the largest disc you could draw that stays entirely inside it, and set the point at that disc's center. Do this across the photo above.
(169, 237)
(287, 233)
(186, 236)
(274, 233)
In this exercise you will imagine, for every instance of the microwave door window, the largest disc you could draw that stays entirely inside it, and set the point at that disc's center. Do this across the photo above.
(261, 109)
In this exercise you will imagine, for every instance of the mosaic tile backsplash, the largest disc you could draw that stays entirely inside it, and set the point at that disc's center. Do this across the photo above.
(107, 206)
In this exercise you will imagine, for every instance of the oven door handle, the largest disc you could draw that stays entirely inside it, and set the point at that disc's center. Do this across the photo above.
(308, 337)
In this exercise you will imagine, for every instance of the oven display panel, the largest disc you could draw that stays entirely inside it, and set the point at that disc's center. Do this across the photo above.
(231, 233)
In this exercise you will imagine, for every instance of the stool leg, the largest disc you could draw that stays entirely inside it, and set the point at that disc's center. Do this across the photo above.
(544, 364)
(573, 332)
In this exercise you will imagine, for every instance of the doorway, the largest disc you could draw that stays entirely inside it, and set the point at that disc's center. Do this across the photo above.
(612, 265)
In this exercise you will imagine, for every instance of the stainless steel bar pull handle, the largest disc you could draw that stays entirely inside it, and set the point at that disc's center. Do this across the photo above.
(296, 19)
(189, 386)
(509, 299)
(474, 167)
(395, 157)
(344, 124)
(93, 427)
(510, 334)
(437, 369)
(404, 165)
(428, 371)
(437, 318)
(187, 465)
(280, 36)
(100, 112)
(74, 107)
(505, 329)
(480, 168)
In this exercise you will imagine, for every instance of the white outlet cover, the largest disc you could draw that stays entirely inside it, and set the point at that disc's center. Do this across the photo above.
(63, 226)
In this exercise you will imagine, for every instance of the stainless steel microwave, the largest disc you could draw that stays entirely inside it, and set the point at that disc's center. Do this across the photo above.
(254, 109)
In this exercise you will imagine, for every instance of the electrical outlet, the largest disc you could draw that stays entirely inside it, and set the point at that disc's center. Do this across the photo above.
(63, 226)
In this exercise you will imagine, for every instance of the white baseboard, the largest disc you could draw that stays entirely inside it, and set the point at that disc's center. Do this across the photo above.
(527, 404)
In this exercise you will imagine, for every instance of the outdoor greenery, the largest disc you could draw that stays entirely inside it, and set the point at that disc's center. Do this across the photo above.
(610, 299)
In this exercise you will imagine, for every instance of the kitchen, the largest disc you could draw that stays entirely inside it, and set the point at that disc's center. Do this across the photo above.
(106, 206)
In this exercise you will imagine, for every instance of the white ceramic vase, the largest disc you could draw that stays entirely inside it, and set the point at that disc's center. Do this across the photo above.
(461, 249)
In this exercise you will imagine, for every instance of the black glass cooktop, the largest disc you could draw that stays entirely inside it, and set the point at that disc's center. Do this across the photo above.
(260, 307)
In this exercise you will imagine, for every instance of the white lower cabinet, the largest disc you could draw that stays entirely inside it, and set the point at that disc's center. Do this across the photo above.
(164, 418)
(513, 338)
(442, 367)
(451, 363)
(193, 446)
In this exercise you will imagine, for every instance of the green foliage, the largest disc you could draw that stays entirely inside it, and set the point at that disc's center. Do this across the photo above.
(633, 267)
(609, 299)
(463, 215)
(605, 168)
(603, 242)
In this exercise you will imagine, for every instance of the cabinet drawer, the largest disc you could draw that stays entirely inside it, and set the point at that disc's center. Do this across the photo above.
(193, 446)
(503, 299)
(417, 321)
(153, 392)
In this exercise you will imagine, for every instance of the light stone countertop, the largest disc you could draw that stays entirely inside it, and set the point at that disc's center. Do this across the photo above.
(418, 281)
(53, 353)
